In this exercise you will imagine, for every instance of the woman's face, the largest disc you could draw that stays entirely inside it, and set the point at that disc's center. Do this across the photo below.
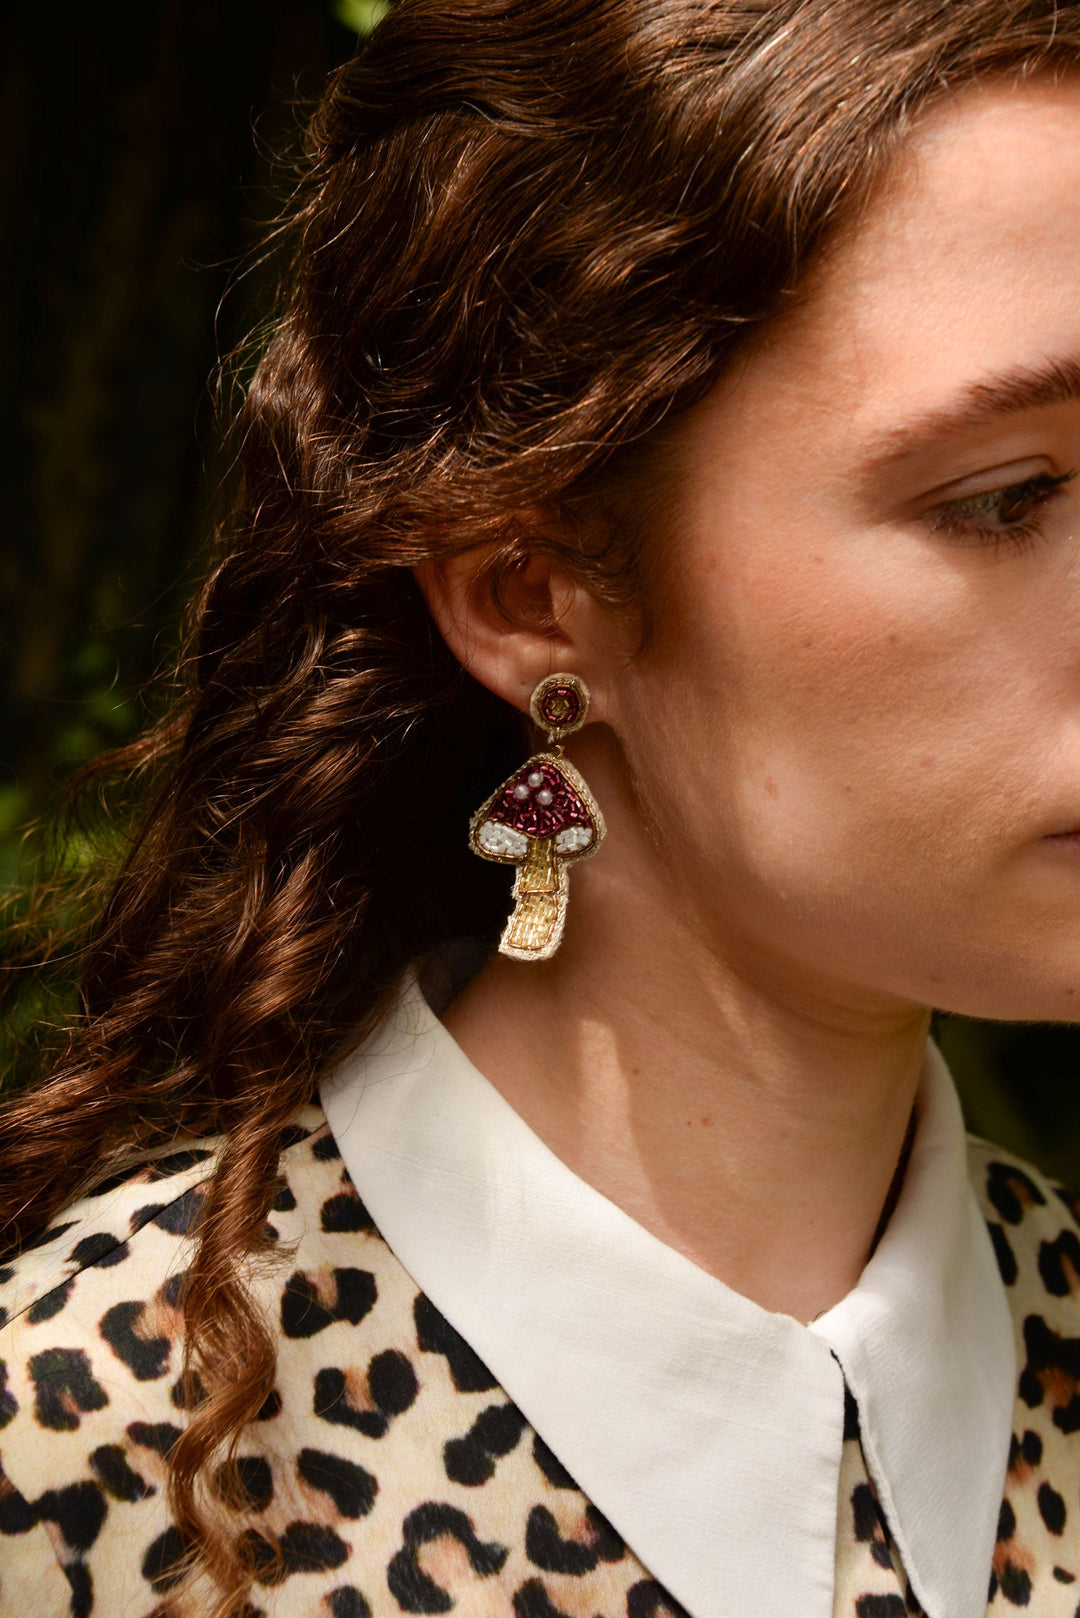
(857, 729)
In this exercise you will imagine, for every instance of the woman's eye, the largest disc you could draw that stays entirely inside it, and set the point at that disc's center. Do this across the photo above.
(1011, 513)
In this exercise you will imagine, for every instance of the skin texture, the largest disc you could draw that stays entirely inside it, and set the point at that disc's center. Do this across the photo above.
(832, 780)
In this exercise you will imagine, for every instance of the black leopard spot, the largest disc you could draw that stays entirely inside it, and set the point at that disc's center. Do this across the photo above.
(99, 1249)
(172, 1289)
(118, 1478)
(292, 1135)
(546, 1548)
(260, 1556)
(1026, 1451)
(1054, 1257)
(270, 1407)
(326, 1149)
(1006, 1527)
(391, 1384)
(1006, 1258)
(435, 1335)
(864, 1509)
(284, 1201)
(647, 1599)
(533, 1601)
(113, 1181)
(350, 1487)
(303, 1313)
(1051, 1508)
(410, 1586)
(63, 1388)
(82, 1589)
(1053, 1365)
(332, 1403)
(851, 1416)
(50, 1233)
(392, 1381)
(1015, 1585)
(880, 1607)
(188, 1392)
(165, 1562)
(551, 1466)
(160, 1436)
(311, 1547)
(471, 1460)
(1011, 1191)
(78, 1511)
(869, 1523)
(181, 1217)
(248, 1485)
(1064, 1577)
(160, 1168)
(9, 1405)
(345, 1212)
(50, 1303)
(347, 1602)
(17, 1515)
(146, 1358)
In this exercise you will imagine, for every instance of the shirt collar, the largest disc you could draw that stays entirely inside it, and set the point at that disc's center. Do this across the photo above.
(707, 1429)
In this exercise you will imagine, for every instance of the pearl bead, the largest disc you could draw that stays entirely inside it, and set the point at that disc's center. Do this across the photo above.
(521, 790)
(544, 796)
(536, 779)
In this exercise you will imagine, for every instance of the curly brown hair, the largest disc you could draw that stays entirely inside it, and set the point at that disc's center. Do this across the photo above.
(528, 234)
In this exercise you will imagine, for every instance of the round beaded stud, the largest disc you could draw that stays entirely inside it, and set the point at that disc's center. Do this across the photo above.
(559, 705)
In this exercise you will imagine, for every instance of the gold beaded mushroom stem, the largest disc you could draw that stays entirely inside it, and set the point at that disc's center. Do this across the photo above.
(542, 817)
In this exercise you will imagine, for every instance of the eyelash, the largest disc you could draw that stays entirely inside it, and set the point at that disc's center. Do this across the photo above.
(956, 517)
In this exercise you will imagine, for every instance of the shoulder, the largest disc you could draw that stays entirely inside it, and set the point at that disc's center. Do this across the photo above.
(137, 1222)
(91, 1323)
(91, 1353)
(384, 1431)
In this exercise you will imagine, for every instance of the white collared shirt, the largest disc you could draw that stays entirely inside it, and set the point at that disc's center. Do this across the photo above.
(707, 1429)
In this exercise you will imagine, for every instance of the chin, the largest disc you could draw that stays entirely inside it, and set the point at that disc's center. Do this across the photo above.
(1055, 1000)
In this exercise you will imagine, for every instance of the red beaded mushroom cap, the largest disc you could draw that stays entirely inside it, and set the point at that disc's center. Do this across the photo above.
(543, 802)
(540, 802)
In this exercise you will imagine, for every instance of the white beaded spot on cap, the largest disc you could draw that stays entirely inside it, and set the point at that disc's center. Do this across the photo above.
(573, 838)
(500, 839)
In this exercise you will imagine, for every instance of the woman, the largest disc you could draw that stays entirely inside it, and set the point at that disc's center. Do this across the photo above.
(666, 446)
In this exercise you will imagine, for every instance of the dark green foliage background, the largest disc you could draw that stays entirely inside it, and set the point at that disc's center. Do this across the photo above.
(136, 170)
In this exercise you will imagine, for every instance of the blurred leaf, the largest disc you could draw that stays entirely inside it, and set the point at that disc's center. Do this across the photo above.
(14, 811)
(361, 15)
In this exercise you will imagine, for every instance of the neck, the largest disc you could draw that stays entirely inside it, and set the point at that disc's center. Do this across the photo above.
(754, 1126)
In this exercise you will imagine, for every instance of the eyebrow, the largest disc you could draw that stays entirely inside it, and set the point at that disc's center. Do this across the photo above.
(978, 404)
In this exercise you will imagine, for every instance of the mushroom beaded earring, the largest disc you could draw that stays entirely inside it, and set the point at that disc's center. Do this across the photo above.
(540, 819)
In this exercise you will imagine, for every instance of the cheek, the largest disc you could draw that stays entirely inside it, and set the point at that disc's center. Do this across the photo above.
(826, 719)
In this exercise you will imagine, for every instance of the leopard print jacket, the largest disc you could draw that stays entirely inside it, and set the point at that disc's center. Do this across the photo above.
(388, 1473)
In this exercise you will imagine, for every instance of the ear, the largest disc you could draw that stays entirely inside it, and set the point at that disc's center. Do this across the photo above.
(546, 621)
